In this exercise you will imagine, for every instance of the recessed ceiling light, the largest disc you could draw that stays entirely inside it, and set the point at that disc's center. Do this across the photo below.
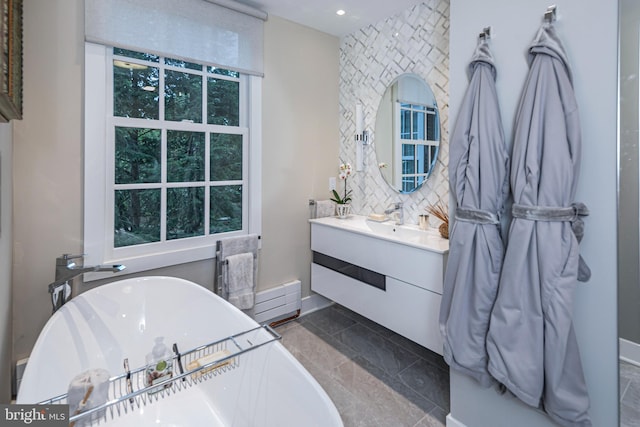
(340, 12)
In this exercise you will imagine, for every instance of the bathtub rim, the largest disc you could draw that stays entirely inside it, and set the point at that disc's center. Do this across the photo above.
(199, 289)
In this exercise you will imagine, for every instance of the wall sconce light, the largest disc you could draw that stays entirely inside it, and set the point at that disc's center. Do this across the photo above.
(362, 138)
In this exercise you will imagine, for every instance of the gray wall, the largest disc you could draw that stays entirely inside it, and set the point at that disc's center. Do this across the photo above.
(6, 211)
(300, 145)
(628, 251)
(588, 29)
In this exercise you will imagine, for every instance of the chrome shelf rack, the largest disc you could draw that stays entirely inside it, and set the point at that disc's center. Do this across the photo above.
(129, 391)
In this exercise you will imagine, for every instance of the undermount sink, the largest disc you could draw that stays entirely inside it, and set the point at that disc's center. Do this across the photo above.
(401, 231)
(408, 234)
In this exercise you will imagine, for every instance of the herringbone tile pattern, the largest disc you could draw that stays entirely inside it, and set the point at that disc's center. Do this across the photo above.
(416, 41)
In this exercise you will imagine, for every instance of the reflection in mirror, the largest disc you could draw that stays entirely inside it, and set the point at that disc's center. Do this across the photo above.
(407, 134)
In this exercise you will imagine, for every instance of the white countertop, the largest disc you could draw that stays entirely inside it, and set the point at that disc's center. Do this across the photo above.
(406, 234)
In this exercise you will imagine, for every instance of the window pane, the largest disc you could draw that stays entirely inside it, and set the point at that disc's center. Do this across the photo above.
(136, 217)
(418, 125)
(422, 158)
(225, 209)
(185, 156)
(182, 64)
(431, 127)
(134, 54)
(408, 159)
(223, 72)
(183, 96)
(137, 156)
(429, 157)
(405, 124)
(408, 150)
(226, 157)
(185, 212)
(223, 102)
(408, 167)
(135, 90)
(408, 184)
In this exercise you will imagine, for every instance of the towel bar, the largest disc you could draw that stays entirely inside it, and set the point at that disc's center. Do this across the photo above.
(220, 262)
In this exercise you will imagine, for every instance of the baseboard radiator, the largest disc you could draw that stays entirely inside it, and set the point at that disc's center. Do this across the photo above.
(278, 304)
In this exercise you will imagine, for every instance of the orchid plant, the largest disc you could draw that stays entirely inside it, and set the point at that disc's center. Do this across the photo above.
(345, 172)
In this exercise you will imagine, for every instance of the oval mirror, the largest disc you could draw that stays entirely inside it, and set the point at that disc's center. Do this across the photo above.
(407, 133)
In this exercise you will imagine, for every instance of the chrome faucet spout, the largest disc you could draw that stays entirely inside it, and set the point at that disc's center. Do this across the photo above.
(67, 270)
(110, 268)
(396, 207)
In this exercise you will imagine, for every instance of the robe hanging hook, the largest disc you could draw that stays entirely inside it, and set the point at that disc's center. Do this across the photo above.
(551, 14)
(485, 34)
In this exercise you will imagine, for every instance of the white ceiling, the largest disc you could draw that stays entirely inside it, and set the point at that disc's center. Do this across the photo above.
(321, 14)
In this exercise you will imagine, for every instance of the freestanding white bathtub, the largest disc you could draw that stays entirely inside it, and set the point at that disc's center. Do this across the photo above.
(263, 386)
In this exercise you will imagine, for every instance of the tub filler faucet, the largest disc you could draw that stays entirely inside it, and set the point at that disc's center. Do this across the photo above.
(66, 271)
(396, 207)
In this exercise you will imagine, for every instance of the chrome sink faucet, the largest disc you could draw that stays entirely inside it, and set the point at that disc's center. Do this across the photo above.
(396, 207)
(67, 270)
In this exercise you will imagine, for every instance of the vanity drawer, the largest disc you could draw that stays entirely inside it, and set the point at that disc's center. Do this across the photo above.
(408, 310)
(422, 268)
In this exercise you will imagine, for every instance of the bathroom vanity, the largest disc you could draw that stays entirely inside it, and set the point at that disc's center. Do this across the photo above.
(391, 274)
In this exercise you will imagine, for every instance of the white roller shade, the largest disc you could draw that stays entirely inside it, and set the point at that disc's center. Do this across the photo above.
(192, 30)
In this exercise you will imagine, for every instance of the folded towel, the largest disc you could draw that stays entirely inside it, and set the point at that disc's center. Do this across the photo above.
(240, 280)
(234, 246)
(239, 245)
(377, 217)
(209, 358)
(325, 208)
(88, 390)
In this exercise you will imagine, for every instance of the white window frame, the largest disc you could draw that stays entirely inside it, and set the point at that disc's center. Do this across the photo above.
(98, 177)
(399, 141)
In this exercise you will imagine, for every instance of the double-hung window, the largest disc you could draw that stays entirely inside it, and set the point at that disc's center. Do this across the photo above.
(418, 142)
(176, 158)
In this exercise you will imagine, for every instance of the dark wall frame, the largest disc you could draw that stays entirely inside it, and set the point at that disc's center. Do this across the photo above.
(11, 60)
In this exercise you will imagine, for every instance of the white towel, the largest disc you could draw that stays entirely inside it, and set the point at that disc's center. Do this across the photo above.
(240, 280)
(88, 390)
(325, 208)
(239, 245)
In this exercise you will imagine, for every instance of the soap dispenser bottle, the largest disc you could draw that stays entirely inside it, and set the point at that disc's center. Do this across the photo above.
(159, 365)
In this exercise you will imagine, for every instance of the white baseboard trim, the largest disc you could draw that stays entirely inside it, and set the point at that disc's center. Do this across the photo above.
(630, 351)
(452, 422)
(313, 303)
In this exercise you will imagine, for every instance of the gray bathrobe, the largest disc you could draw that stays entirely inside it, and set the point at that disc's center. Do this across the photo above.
(478, 175)
(531, 343)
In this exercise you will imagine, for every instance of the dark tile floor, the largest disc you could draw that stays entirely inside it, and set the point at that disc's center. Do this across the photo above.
(629, 395)
(374, 376)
